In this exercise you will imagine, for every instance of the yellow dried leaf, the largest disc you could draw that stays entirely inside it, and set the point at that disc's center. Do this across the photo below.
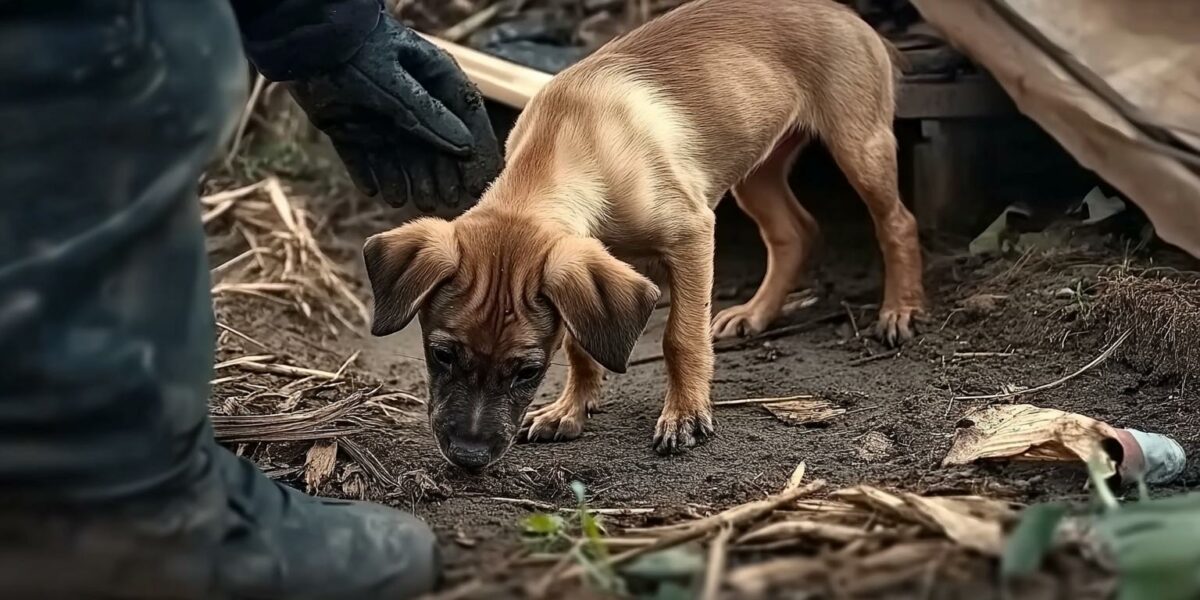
(1028, 433)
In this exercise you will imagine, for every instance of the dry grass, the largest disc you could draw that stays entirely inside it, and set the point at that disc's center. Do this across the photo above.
(273, 254)
(1163, 315)
(853, 541)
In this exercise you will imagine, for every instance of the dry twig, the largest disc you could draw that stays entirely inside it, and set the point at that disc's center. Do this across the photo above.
(874, 357)
(304, 425)
(738, 344)
(734, 518)
(286, 370)
(1053, 384)
(718, 552)
(260, 82)
(763, 400)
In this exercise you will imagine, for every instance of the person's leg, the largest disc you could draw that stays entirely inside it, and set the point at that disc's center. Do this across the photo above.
(110, 482)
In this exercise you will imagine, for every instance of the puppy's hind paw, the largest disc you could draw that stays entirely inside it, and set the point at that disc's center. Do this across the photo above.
(739, 321)
(895, 325)
(677, 433)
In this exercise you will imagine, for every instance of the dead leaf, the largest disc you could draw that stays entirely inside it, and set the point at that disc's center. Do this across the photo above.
(956, 520)
(1024, 432)
(1101, 207)
(319, 464)
(804, 411)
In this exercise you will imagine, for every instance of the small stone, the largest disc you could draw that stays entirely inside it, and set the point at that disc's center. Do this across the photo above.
(875, 446)
(982, 305)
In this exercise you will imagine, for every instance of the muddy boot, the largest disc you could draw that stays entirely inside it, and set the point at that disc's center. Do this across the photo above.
(110, 483)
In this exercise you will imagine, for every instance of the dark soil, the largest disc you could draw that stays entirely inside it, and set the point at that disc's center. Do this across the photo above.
(1005, 305)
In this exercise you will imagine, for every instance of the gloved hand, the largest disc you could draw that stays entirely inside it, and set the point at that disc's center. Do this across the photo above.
(405, 120)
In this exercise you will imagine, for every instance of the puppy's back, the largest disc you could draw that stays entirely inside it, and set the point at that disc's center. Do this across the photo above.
(743, 71)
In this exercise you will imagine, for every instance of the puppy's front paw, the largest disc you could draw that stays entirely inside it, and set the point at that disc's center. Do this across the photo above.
(740, 321)
(559, 421)
(895, 325)
(677, 431)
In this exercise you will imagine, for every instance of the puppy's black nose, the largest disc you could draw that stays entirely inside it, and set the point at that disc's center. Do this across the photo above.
(469, 454)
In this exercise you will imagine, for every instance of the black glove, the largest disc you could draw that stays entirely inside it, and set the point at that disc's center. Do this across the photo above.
(405, 120)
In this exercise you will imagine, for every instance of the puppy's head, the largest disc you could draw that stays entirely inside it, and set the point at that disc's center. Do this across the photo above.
(494, 293)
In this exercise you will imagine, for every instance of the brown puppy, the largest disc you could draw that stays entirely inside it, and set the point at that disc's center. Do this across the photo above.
(628, 152)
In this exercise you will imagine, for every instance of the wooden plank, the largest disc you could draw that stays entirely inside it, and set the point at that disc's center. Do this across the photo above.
(962, 98)
(1099, 137)
(498, 79)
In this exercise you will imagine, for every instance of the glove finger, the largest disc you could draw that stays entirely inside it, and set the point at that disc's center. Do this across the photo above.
(484, 163)
(443, 80)
(448, 182)
(413, 110)
(396, 179)
(424, 183)
(440, 76)
(358, 166)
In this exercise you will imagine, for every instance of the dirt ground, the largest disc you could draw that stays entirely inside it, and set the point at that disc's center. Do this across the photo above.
(899, 416)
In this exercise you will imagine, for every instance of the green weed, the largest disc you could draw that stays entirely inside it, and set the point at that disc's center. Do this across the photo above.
(1155, 543)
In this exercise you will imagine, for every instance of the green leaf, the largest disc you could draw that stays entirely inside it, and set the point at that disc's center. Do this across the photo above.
(1031, 540)
(672, 563)
(1156, 545)
(542, 524)
(670, 590)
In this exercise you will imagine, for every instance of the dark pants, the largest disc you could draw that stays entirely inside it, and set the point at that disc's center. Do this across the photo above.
(109, 112)
(111, 485)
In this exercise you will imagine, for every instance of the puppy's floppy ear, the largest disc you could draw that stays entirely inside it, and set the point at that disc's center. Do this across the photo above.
(404, 266)
(603, 301)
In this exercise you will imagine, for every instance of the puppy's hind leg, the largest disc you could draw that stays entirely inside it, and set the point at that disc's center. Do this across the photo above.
(788, 232)
(687, 348)
(563, 419)
(865, 149)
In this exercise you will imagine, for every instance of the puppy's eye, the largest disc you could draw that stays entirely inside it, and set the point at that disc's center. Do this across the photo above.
(527, 374)
(444, 356)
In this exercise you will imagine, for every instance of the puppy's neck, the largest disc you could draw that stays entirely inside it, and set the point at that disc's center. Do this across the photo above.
(563, 192)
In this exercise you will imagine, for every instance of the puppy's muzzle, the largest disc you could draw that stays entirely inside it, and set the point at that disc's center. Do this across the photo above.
(467, 453)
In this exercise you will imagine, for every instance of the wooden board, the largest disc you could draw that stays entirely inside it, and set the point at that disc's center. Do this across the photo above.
(1096, 134)
(498, 79)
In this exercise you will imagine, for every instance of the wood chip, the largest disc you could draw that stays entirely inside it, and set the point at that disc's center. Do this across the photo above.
(803, 412)
(319, 464)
